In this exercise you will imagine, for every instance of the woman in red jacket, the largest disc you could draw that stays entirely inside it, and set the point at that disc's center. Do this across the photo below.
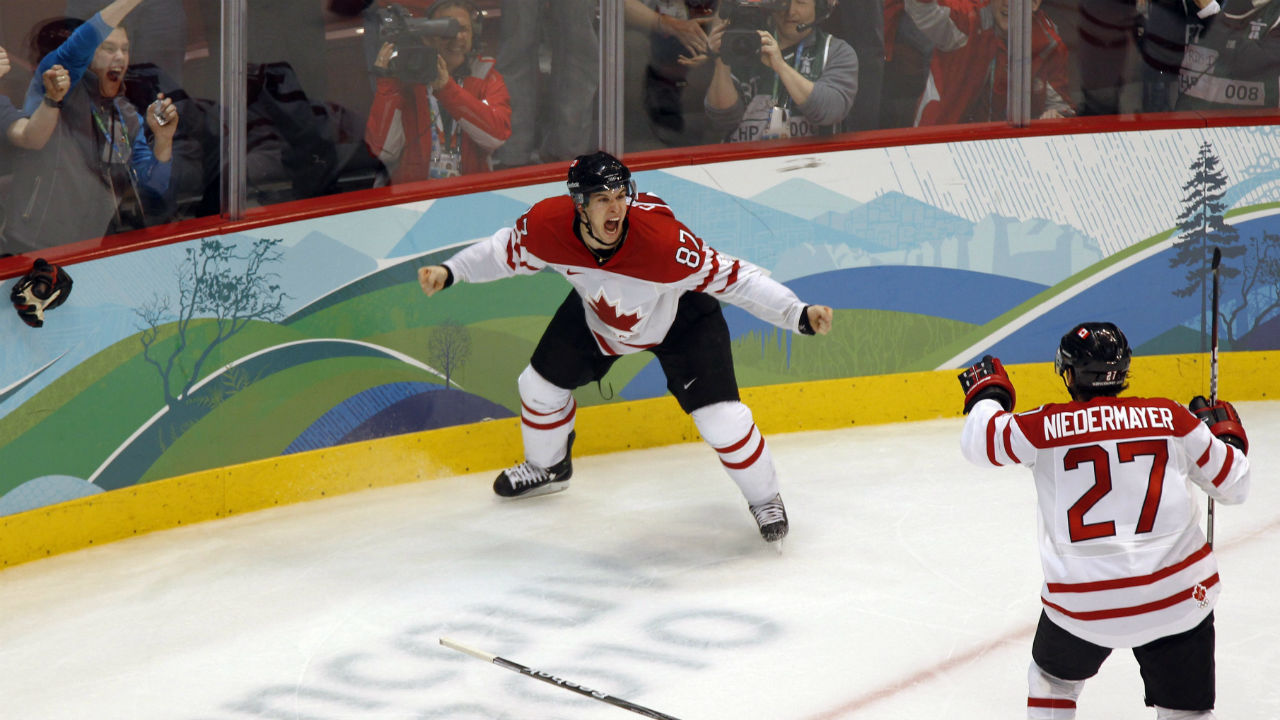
(425, 124)
(968, 75)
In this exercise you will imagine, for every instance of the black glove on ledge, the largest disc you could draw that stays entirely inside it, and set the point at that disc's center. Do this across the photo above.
(42, 289)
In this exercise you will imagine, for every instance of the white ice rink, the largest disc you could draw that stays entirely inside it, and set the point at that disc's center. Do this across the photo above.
(908, 589)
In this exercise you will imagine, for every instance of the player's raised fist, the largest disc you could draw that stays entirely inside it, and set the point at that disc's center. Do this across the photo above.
(432, 278)
(987, 380)
(819, 317)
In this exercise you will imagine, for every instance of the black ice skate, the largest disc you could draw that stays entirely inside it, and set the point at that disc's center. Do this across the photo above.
(771, 516)
(528, 480)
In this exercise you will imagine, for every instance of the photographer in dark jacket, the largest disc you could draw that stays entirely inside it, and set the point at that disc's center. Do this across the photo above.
(1161, 30)
(804, 82)
(1234, 64)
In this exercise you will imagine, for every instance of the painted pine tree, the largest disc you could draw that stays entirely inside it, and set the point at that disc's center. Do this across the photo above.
(1201, 227)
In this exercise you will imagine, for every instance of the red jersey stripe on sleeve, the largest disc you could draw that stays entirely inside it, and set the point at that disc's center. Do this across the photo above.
(1226, 467)
(991, 440)
(1204, 459)
(711, 275)
(1008, 443)
(733, 275)
(511, 252)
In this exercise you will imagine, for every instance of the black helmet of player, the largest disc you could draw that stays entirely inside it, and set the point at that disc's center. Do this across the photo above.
(1097, 354)
(602, 191)
(596, 172)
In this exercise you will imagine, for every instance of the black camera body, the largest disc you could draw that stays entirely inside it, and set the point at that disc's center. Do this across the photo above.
(415, 60)
(741, 42)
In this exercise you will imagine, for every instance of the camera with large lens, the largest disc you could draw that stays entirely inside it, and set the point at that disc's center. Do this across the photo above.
(414, 60)
(741, 42)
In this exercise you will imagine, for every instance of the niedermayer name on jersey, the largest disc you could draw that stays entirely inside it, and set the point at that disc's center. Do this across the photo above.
(1104, 418)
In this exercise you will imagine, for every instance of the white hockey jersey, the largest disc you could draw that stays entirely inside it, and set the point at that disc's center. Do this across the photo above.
(631, 297)
(1124, 559)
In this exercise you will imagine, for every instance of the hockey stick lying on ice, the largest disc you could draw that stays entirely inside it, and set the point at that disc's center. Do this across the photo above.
(1213, 372)
(557, 681)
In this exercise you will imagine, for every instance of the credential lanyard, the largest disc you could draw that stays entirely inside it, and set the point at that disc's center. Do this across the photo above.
(446, 146)
(117, 154)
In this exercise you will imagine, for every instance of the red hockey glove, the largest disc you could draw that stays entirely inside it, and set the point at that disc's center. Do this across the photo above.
(987, 379)
(1223, 421)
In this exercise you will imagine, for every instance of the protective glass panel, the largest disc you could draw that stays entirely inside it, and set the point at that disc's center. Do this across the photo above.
(1160, 56)
(701, 71)
(128, 146)
(548, 54)
(957, 53)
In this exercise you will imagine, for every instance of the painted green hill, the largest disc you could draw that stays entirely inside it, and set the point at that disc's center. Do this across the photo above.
(261, 419)
(861, 342)
(401, 305)
(64, 432)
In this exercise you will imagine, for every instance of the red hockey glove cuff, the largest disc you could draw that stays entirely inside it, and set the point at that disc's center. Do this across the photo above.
(987, 379)
(1223, 421)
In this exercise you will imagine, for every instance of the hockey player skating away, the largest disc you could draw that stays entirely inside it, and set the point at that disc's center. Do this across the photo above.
(1125, 562)
(641, 281)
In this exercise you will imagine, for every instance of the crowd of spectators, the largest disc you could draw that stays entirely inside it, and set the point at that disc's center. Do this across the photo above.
(112, 118)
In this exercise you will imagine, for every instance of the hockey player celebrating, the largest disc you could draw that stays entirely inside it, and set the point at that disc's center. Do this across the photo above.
(1125, 562)
(641, 281)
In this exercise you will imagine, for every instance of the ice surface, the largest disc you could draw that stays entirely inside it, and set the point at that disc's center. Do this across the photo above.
(908, 588)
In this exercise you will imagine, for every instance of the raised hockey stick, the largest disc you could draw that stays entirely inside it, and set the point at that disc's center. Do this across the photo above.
(557, 681)
(1213, 370)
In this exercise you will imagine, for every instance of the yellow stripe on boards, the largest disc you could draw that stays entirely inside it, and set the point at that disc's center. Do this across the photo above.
(446, 452)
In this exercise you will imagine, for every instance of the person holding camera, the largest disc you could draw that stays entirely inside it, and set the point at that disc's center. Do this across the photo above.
(777, 74)
(439, 110)
(676, 31)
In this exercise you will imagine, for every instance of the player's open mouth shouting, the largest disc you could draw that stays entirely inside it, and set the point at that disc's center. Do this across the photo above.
(606, 214)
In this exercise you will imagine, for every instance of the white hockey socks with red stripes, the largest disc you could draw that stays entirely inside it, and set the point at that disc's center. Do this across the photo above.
(1049, 697)
(729, 428)
(546, 418)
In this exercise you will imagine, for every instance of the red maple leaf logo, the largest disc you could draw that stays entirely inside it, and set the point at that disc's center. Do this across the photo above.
(609, 315)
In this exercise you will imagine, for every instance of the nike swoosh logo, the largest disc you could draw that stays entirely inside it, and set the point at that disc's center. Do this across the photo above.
(572, 272)
(686, 385)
